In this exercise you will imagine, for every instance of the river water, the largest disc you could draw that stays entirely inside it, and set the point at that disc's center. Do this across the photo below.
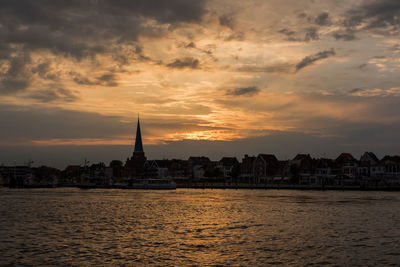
(199, 227)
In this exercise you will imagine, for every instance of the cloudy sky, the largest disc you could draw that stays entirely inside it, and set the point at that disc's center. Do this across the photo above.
(208, 77)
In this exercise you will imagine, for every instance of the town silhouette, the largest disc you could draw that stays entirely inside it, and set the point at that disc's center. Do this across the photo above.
(261, 171)
(268, 133)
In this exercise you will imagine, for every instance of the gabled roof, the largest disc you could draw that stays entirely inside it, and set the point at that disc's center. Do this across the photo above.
(303, 157)
(229, 161)
(391, 158)
(248, 160)
(155, 164)
(344, 157)
(371, 155)
(268, 157)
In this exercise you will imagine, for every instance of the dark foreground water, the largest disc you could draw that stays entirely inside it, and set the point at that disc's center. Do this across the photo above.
(199, 227)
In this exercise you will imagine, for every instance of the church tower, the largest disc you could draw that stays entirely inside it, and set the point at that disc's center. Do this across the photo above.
(134, 166)
(138, 141)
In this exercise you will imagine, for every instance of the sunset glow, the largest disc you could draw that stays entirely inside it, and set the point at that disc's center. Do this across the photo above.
(199, 70)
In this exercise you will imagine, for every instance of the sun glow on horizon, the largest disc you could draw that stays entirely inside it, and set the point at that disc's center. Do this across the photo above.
(221, 72)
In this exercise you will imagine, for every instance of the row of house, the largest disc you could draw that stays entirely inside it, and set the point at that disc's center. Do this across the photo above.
(266, 168)
(263, 168)
(19, 176)
(304, 169)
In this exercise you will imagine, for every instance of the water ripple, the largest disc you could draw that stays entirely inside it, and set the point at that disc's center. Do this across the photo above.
(198, 228)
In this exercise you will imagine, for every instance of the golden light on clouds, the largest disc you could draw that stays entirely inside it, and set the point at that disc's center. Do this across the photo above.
(224, 70)
(81, 142)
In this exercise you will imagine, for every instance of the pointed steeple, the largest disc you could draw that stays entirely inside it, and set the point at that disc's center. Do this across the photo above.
(138, 142)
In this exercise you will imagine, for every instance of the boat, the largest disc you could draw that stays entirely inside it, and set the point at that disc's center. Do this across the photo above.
(147, 184)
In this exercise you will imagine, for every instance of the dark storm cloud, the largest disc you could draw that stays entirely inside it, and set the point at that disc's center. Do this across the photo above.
(379, 15)
(227, 21)
(66, 40)
(17, 77)
(244, 91)
(345, 35)
(311, 34)
(73, 27)
(82, 29)
(44, 71)
(187, 62)
(303, 35)
(309, 60)
(108, 79)
(207, 50)
(130, 52)
(60, 13)
(287, 32)
(291, 35)
(54, 93)
(82, 80)
(323, 19)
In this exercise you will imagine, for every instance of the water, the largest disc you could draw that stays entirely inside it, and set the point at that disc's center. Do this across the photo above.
(199, 227)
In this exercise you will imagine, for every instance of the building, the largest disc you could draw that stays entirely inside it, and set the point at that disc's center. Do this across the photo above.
(16, 176)
(46, 176)
(178, 168)
(246, 168)
(304, 164)
(370, 166)
(229, 166)
(346, 164)
(134, 166)
(266, 166)
(72, 175)
(156, 168)
(323, 171)
(197, 166)
(392, 169)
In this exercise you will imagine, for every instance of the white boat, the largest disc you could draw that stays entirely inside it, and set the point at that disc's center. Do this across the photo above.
(147, 184)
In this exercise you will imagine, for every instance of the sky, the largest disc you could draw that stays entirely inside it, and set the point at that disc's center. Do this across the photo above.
(207, 77)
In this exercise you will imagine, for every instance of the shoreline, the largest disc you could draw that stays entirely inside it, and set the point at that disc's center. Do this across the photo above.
(230, 186)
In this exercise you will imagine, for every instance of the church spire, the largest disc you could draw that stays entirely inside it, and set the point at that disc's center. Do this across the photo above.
(138, 142)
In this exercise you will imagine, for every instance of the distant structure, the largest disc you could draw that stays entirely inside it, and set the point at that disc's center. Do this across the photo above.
(138, 142)
(134, 166)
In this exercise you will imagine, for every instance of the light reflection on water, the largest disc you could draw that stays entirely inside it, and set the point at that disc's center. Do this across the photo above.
(199, 227)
